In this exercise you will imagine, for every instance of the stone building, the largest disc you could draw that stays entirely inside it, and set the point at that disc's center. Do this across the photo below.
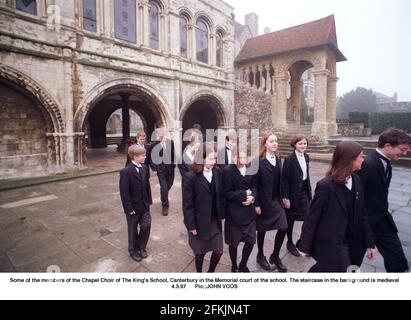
(66, 66)
(273, 65)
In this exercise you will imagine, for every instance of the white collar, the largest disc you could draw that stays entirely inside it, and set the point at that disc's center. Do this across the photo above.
(136, 164)
(270, 155)
(383, 155)
(348, 183)
(299, 154)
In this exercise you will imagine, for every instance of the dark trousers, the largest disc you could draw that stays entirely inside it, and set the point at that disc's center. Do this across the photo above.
(137, 240)
(166, 179)
(389, 245)
(340, 265)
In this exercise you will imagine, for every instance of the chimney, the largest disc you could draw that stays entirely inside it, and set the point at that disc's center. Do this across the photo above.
(267, 30)
(251, 20)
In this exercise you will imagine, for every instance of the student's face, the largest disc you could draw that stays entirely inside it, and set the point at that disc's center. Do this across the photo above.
(141, 139)
(301, 146)
(140, 159)
(231, 144)
(271, 144)
(395, 153)
(242, 159)
(210, 160)
(357, 164)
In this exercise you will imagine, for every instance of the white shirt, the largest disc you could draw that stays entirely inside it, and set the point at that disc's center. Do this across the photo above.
(384, 162)
(138, 166)
(271, 159)
(348, 184)
(208, 174)
(229, 156)
(243, 170)
(303, 164)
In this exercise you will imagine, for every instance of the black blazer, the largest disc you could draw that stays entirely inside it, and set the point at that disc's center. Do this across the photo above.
(197, 202)
(235, 187)
(265, 185)
(135, 191)
(324, 229)
(376, 188)
(293, 177)
(222, 155)
(170, 152)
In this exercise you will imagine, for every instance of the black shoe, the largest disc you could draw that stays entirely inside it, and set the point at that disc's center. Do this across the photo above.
(243, 269)
(165, 211)
(278, 264)
(136, 256)
(234, 269)
(262, 261)
(143, 254)
(293, 249)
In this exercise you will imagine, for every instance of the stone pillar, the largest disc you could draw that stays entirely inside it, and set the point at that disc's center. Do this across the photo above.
(266, 79)
(146, 25)
(125, 112)
(320, 127)
(211, 50)
(193, 42)
(280, 110)
(296, 86)
(254, 69)
(163, 33)
(332, 106)
(247, 76)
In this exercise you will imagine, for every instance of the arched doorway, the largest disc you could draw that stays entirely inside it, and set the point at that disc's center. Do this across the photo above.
(25, 148)
(206, 111)
(136, 107)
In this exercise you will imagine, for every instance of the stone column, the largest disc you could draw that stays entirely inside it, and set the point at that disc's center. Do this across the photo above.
(193, 38)
(266, 87)
(320, 127)
(254, 69)
(125, 112)
(296, 86)
(262, 83)
(279, 112)
(146, 25)
(332, 106)
(163, 33)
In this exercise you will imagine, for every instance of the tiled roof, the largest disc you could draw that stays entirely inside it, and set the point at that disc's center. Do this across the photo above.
(309, 35)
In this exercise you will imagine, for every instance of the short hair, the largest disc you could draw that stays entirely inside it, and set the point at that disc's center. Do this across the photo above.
(394, 137)
(140, 134)
(298, 138)
(135, 150)
(203, 151)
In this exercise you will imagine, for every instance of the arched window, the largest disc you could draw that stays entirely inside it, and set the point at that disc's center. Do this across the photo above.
(202, 41)
(125, 20)
(154, 26)
(219, 50)
(89, 15)
(27, 6)
(183, 37)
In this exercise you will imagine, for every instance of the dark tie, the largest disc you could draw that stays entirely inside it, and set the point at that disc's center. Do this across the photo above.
(388, 169)
(138, 168)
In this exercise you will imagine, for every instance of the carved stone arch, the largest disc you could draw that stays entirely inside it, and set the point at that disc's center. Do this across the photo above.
(186, 13)
(160, 4)
(219, 108)
(286, 63)
(102, 89)
(209, 22)
(220, 30)
(48, 102)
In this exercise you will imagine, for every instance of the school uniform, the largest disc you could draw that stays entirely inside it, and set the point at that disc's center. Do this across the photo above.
(147, 162)
(269, 198)
(224, 157)
(135, 193)
(240, 224)
(296, 185)
(203, 209)
(376, 176)
(184, 167)
(337, 227)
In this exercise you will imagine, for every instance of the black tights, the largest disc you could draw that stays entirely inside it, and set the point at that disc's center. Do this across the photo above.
(279, 239)
(248, 248)
(215, 259)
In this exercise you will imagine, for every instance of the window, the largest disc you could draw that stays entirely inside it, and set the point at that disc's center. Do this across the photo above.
(125, 20)
(154, 26)
(202, 41)
(89, 15)
(27, 6)
(219, 50)
(183, 37)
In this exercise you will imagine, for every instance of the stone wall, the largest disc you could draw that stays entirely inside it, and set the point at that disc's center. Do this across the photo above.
(353, 130)
(253, 108)
(23, 141)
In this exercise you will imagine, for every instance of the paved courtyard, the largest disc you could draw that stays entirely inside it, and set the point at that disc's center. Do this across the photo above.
(78, 225)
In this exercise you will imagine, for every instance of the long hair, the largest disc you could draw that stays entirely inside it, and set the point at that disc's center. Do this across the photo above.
(342, 163)
(262, 150)
(202, 153)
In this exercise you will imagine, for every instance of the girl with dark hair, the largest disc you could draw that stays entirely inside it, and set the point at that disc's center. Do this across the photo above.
(269, 210)
(337, 226)
(203, 207)
(240, 190)
(296, 188)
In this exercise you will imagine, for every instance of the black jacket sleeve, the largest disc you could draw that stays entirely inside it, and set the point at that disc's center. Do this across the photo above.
(189, 203)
